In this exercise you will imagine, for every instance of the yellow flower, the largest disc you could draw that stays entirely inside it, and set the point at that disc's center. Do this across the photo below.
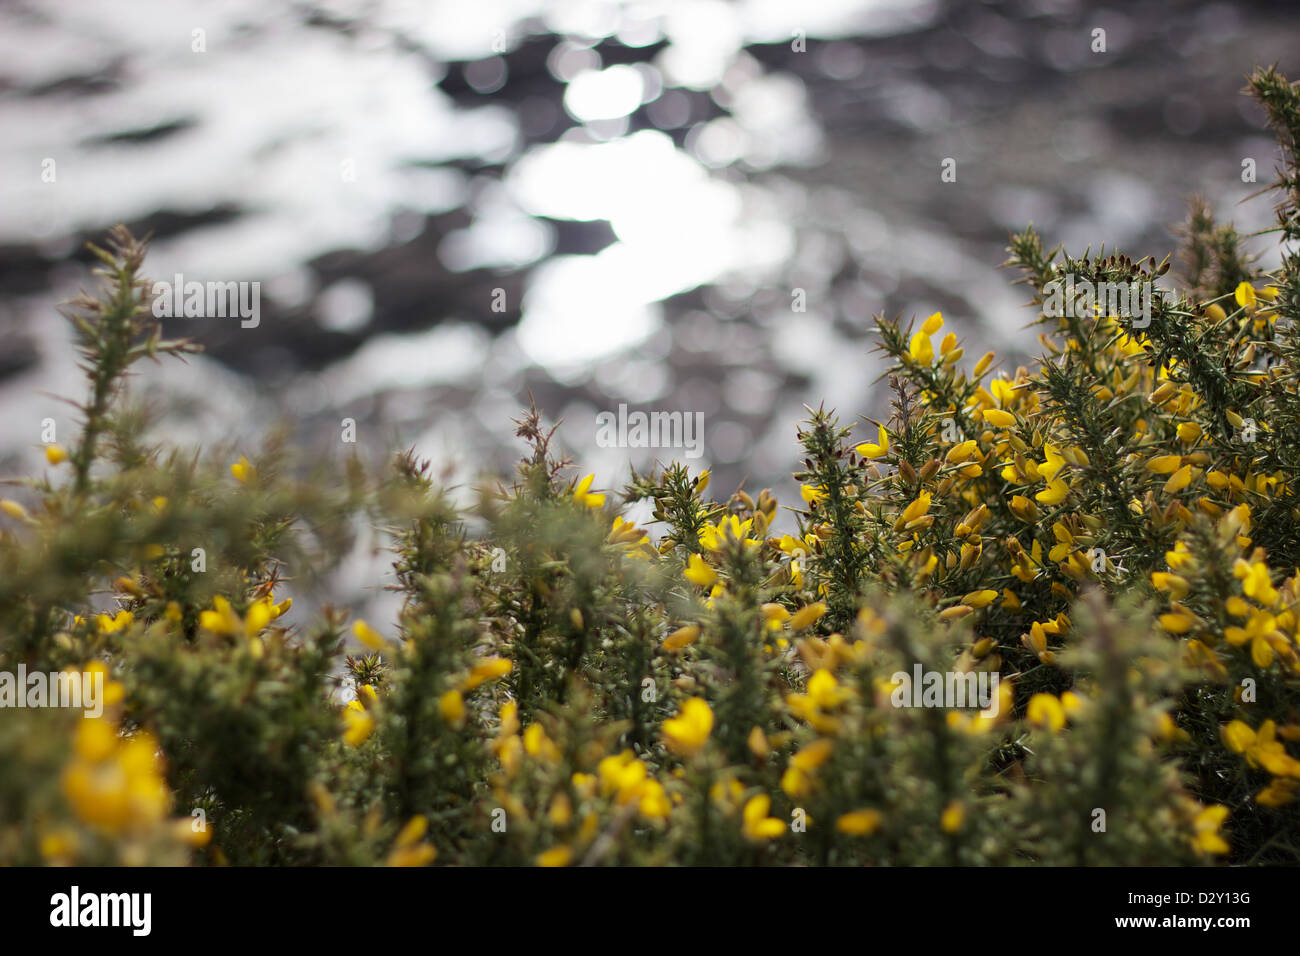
(877, 450)
(1055, 492)
(509, 751)
(368, 636)
(451, 706)
(726, 794)
(812, 756)
(221, 620)
(796, 783)
(1236, 606)
(1256, 581)
(358, 725)
(96, 739)
(420, 855)
(408, 850)
(561, 811)
(1045, 710)
(1245, 295)
(796, 547)
(1239, 736)
(686, 733)
(757, 824)
(654, 803)
(807, 616)
(998, 418)
(98, 795)
(55, 454)
(1053, 462)
(560, 855)
(584, 496)
(1024, 509)
(1207, 838)
(118, 622)
(1164, 464)
(486, 670)
(509, 718)
(812, 494)
(859, 822)
(953, 816)
(775, 615)
(1179, 480)
(920, 349)
(537, 744)
(1261, 652)
(715, 537)
(682, 637)
(634, 540)
(1175, 584)
(13, 509)
(617, 772)
(915, 513)
(699, 572)
(1178, 621)
(962, 451)
(1179, 558)
(243, 471)
(115, 783)
(1278, 793)
(260, 614)
(824, 690)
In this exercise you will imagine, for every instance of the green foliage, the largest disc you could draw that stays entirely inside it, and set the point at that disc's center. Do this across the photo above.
(1098, 545)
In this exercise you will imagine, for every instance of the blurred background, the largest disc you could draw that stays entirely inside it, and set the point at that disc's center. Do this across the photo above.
(451, 204)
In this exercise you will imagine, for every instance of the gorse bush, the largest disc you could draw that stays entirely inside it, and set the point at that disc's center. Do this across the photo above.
(1042, 617)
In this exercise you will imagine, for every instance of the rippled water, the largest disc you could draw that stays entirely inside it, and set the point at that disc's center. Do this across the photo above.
(451, 205)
